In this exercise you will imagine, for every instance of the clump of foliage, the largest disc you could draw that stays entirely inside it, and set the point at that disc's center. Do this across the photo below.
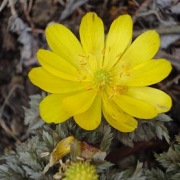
(169, 164)
(27, 163)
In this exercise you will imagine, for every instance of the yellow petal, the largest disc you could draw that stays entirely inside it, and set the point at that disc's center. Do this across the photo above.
(63, 42)
(122, 123)
(90, 119)
(51, 109)
(53, 84)
(118, 39)
(160, 100)
(147, 73)
(80, 102)
(57, 66)
(61, 149)
(135, 107)
(92, 36)
(117, 118)
(142, 49)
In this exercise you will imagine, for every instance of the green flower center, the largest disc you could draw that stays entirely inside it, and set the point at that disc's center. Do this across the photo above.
(101, 78)
(81, 171)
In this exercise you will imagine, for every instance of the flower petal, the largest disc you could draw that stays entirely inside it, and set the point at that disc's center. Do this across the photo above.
(51, 109)
(63, 42)
(91, 118)
(135, 107)
(79, 103)
(118, 39)
(57, 66)
(117, 118)
(124, 123)
(160, 100)
(92, 35)
(53, 84)
(147, 73)
(142, 49)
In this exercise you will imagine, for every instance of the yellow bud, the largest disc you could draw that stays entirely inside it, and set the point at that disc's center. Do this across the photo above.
(62, 148)
(81, 171)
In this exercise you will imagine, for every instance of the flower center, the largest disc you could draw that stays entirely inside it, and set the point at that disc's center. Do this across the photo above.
(101, 78)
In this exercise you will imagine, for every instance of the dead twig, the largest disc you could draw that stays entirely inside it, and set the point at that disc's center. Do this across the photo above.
(143, 5)
(27, 11)
(2, 124)
(120, 153)
(161, 30)
(175, 61)
(29, 6)
(13, 11)
(154, 12)
(171, 93)
(173, 81)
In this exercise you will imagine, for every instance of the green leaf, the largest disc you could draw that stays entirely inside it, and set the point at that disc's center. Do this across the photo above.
(146, 131)
(155, 174)
(170, 159)
(32, 117)
(107, 138)
(163, 118)
(101, 167)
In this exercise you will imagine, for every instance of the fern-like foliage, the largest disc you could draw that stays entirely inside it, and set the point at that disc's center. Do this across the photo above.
(146, 131)
(170, 163)
(32, 118)
(102, 136)
(26, 162)
(155, 174)
(133, 173)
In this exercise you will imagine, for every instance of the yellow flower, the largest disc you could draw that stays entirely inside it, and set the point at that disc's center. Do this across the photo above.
(101, 75)
(81, 171)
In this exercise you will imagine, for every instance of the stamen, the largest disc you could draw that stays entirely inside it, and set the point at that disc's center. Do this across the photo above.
(125, 70)
(84, 56)
(119, 55)
(103, 51)
(118, 90)
(83, 63)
